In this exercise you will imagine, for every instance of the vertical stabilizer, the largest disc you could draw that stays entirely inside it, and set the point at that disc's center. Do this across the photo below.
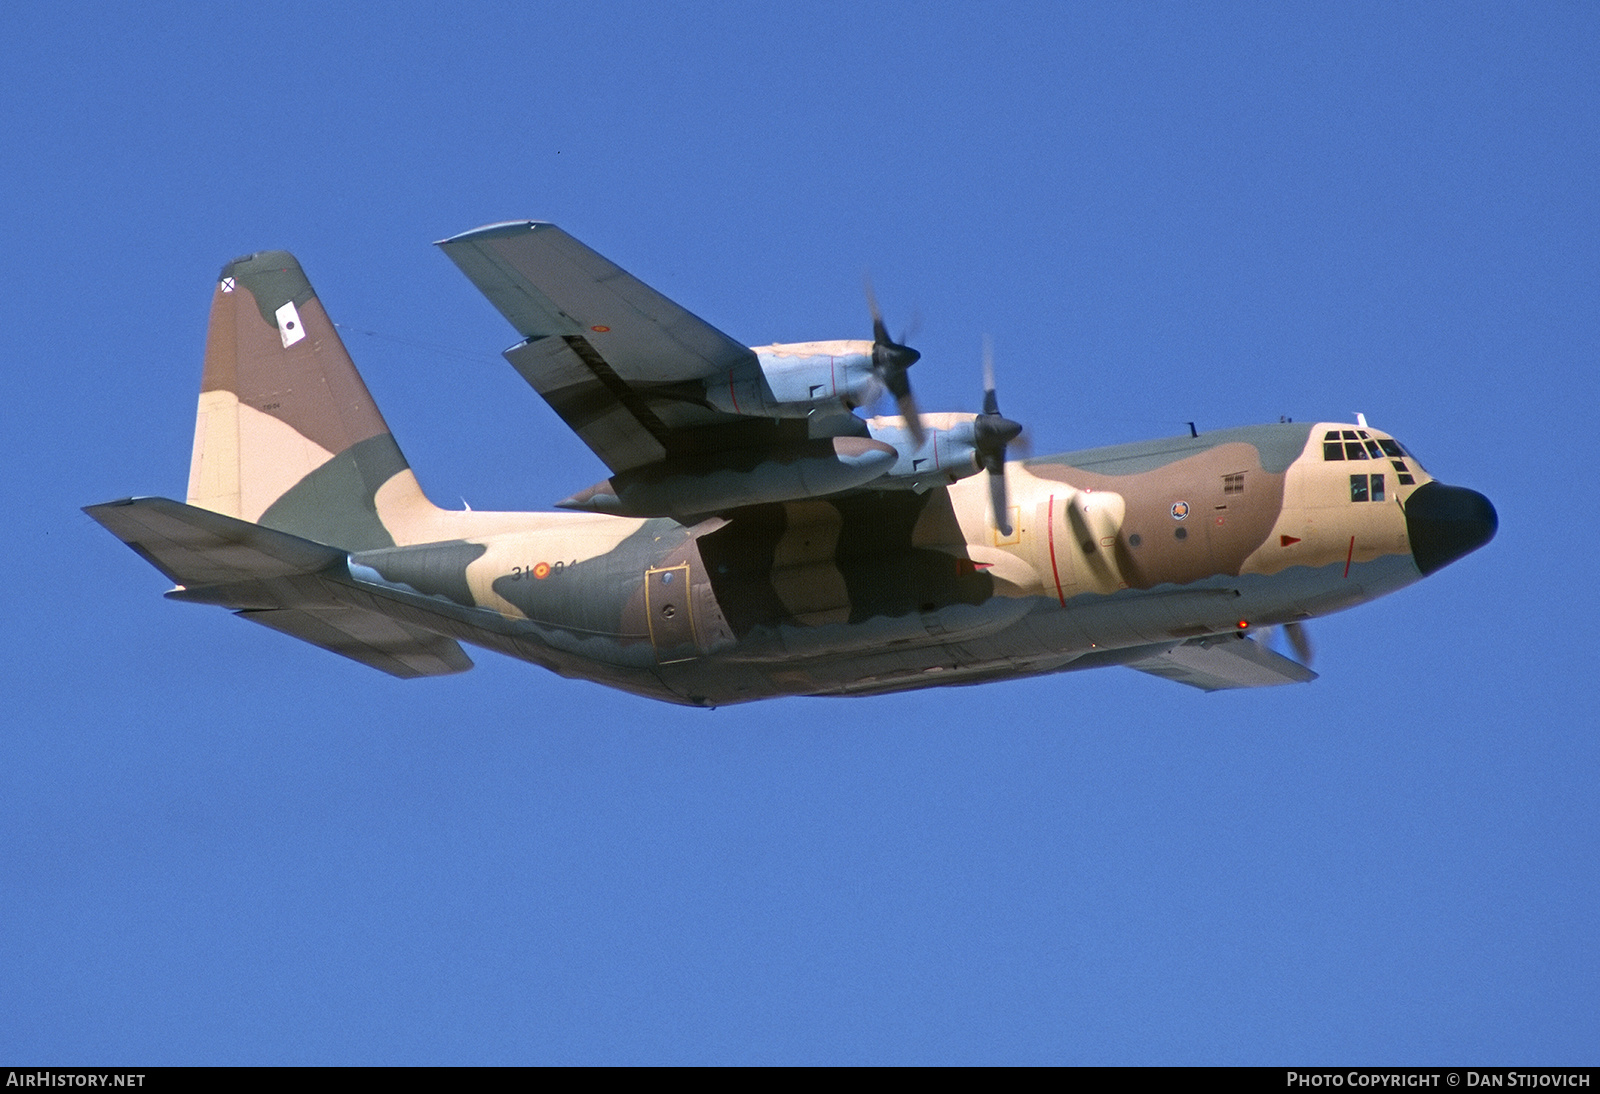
(287, 435)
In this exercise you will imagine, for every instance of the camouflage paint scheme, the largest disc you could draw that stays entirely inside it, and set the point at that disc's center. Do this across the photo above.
(303, 515)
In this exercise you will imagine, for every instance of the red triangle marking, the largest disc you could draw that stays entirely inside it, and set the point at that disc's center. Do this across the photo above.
(1284, 541)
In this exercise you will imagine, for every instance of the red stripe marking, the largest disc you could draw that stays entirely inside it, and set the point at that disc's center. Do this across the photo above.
(1050, 517)
(731, 396)
(1349, 556)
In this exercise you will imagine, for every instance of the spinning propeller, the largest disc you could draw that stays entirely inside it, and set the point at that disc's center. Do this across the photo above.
(890, 359)
(1299, 641)
(991, 433)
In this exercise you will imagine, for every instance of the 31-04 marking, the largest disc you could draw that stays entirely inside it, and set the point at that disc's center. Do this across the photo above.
(540, 570)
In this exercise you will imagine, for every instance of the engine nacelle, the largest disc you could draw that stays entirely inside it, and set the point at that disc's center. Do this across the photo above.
(797, 380)
(947, 454)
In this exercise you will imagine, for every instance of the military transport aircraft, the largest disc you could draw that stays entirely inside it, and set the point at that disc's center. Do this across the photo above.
(757, 536)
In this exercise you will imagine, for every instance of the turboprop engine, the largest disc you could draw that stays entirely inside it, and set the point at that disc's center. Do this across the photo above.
(948, 452)
(799, 379)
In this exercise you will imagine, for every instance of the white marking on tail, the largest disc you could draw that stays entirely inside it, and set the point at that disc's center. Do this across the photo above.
(290, 329)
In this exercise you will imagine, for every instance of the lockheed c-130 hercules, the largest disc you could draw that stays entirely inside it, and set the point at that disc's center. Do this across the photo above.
(757, 537)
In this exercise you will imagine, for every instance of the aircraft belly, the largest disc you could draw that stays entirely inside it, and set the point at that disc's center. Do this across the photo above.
(957, 623)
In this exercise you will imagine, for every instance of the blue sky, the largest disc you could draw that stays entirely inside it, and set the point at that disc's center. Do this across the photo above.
(219, 845)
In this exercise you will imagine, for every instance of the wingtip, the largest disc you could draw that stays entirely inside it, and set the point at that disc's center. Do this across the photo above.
(494, 231)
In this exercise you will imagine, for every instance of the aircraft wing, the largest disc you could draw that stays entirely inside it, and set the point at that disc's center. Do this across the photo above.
(621, 364)
(1217, 664)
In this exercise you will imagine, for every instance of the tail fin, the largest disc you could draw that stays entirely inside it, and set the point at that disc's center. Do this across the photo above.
(287, 435)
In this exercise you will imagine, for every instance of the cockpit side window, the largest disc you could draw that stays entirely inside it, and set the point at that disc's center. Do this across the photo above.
(1366, 488)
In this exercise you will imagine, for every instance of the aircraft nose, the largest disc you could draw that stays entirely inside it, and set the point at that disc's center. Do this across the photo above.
(1446, 522)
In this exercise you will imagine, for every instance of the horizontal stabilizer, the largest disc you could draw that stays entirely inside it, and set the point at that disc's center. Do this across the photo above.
(1229, 661)
(372, 639)
(289, 584)
(197, 547)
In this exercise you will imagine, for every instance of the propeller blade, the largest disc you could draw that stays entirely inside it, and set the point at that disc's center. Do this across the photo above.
(1299, 641)
(890, 359)
(991, 402)
(991, 433)
(907, 405)
(999, 503)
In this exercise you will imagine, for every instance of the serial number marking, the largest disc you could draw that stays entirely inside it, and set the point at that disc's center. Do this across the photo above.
(540, 570)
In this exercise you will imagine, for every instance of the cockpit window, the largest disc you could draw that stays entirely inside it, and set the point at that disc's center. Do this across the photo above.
(1358, 444)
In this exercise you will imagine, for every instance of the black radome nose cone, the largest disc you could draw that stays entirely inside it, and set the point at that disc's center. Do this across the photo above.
(1446, 522)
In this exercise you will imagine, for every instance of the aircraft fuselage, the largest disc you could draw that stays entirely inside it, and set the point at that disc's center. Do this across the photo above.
(1112, 552)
